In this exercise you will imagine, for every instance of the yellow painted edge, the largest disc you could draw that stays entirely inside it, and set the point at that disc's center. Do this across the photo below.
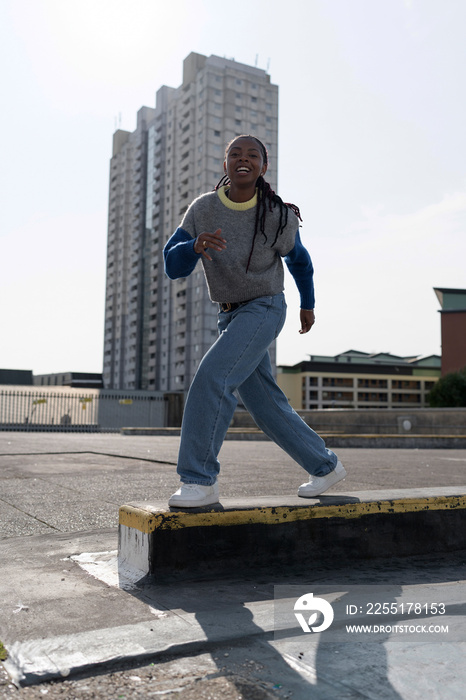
(147, 522)
(430, 436)
(138, 519)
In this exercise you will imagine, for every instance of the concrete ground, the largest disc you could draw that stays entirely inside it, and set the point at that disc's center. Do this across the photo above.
(59, 498)
(67, 482)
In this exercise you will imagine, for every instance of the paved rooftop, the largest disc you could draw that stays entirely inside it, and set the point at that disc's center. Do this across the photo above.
(59, 501)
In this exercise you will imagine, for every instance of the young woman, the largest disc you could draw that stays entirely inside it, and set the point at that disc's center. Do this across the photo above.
(240, 232)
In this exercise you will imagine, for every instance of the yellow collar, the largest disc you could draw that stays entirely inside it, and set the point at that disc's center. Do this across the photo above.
(237, 206)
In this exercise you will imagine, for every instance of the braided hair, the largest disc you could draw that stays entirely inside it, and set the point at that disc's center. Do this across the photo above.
(267, 199)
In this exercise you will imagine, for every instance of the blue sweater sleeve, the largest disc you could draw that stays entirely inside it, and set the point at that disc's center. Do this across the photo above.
(300, 265)
(179, 255)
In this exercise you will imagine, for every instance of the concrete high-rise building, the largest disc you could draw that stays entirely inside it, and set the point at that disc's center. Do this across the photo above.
(157, 330)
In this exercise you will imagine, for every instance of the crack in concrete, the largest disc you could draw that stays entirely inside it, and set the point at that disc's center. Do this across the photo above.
(86, 452)
(30, 515)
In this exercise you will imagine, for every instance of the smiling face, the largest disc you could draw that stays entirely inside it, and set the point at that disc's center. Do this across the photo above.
(244, 162)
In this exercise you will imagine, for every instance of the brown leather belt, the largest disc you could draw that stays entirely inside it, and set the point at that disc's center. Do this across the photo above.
(227, 306)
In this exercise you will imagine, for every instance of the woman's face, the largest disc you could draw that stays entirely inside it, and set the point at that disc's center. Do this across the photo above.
(244, 162)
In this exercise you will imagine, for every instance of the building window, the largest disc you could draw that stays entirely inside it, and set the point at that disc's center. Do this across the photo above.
(373, 383)
(372, 397)
(405, 384)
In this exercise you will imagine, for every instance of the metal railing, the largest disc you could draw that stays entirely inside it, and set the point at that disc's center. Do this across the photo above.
(29, 410)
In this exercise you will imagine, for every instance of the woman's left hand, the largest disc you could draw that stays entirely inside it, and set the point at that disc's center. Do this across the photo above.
(307, 320)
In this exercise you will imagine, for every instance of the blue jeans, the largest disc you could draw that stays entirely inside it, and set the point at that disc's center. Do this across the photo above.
(239, 360)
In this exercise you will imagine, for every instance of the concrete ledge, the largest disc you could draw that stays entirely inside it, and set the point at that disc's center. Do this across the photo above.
(289, 532)
(333, 439)
(233, 433)
(411, 441)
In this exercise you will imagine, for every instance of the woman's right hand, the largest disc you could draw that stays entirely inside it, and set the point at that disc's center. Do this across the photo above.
(209, 240)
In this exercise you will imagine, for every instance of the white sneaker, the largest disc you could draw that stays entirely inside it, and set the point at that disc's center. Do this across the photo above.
(318, 484)
(194, 496)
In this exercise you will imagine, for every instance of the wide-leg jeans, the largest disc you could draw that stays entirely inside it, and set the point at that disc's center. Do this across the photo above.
(239, 360)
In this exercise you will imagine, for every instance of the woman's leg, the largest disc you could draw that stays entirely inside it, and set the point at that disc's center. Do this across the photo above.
(270, 409)
(245, 335)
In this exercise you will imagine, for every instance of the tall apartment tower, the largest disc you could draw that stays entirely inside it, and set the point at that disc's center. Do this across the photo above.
(157, 330)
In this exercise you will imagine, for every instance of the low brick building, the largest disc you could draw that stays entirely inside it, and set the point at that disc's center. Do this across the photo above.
(453, 328)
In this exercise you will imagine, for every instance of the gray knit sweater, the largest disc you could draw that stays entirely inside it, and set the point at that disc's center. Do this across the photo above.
(226, 274)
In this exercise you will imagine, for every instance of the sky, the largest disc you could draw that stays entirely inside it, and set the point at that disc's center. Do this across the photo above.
(371, 148)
